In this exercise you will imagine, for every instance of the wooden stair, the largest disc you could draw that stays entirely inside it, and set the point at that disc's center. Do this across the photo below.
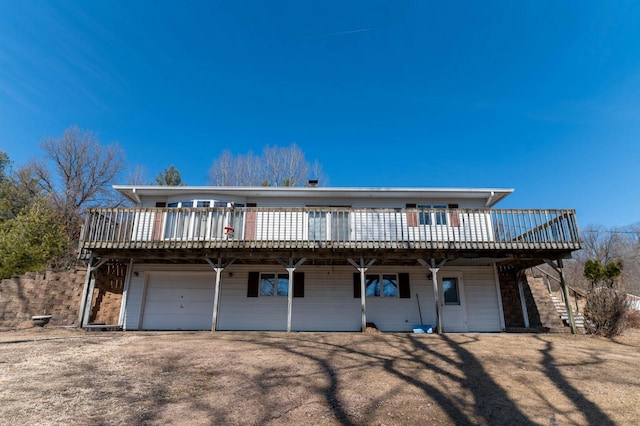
(561, 308)
(548, 315)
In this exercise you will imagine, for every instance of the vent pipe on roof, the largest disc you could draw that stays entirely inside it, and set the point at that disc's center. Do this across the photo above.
(313, 182)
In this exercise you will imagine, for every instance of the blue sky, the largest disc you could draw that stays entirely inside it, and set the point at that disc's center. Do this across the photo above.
(542, 96)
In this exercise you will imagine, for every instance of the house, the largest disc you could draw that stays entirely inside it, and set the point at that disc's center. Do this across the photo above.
(319, 258)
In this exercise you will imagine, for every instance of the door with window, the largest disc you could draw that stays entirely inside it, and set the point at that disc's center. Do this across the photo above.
(177, 220)
(323, 225)
(452, 306)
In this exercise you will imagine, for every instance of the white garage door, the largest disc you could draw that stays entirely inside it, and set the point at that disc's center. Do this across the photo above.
(178, 301)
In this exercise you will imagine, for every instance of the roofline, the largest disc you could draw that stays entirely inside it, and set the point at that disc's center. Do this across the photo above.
(491, 195)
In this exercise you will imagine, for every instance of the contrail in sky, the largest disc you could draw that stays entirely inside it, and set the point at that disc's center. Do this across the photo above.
(345, 32)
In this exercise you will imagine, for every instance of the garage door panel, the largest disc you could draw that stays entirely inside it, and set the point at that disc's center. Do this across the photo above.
(178, 308)
(180, 294)
(178, 301)
(175, 322)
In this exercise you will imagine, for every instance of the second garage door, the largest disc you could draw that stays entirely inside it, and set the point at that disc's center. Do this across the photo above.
(178, 301)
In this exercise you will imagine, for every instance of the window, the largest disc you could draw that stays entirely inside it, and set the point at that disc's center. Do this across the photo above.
(450, 291)
(177, 222)
(317, 226)
(437, 217)
(340, 226)
(268, 284)
(274, 285)
(385, 285)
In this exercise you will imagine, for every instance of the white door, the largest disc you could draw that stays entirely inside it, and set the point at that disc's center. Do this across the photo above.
(453, 311)
(178, 301)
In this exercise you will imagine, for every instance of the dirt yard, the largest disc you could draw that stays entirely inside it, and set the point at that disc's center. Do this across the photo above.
(67, 376)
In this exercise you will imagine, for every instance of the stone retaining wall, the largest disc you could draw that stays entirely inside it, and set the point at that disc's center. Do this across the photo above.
(58, 294)
(47, 293)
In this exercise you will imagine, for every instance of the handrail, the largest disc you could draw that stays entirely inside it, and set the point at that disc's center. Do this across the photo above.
(575, 290)
(547, 274)
(328, 227)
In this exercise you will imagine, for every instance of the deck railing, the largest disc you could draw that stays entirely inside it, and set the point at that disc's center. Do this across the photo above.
(151, 228)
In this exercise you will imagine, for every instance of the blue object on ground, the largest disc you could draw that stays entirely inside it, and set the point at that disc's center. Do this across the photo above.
(423, 328)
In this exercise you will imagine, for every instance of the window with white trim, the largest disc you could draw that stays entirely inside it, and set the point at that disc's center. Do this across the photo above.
(381, 285)
(433, 217)
(274, 285)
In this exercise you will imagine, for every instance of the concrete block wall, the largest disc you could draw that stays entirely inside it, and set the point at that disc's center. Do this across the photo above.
(58, 294)
(51, 293)
(105, 307)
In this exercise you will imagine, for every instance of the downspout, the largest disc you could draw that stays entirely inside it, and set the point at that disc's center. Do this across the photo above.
(490, 199)
(136, 197)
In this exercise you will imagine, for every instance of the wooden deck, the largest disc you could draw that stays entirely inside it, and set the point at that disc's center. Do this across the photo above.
(329, 229)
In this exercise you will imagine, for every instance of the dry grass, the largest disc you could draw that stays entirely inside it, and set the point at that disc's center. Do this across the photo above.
(57, 376)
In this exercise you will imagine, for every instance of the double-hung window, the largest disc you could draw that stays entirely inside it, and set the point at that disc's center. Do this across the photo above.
(436, 216)
(383, 285)
(274, 284)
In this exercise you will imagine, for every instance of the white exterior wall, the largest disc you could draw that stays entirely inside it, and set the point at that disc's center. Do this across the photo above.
(395, 314)
(328, 299)
(480, 297)
(143, 226)
(329, 304)
(280, 225)
(294, 226)
(239, 312)
(135, 299)
(369, 202)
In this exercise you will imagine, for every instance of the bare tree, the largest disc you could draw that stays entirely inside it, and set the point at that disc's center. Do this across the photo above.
(221, 171)
(19, 190)
(285, 166)
(248, 170)
(138, 176)
(277, 166)
(77, 172)
(243, 170)
(599, 243)
(317, 173)
(608, 245)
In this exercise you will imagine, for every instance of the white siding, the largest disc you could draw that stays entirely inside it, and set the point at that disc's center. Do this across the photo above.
(481, 300)
(380, 226)
(135, 297)
(239, 312)
(395, 314)
(328, 304)
(372, 201)
(143, 226)
(280, 225)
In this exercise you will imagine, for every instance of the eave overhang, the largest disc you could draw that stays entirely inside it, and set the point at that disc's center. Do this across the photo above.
(490, 196)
